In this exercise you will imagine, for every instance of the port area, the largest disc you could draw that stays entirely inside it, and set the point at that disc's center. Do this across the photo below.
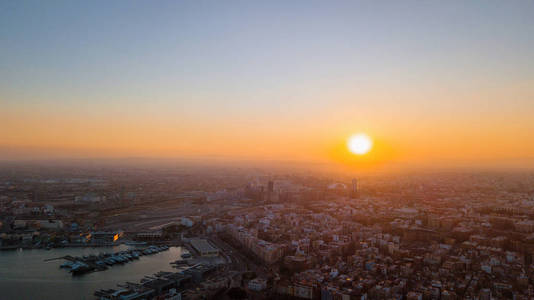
(163, 285)
(101, 262)
(208, 268)
(194, 271)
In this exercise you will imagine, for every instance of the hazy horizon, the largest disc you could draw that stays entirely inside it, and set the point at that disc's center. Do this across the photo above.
(269, 165)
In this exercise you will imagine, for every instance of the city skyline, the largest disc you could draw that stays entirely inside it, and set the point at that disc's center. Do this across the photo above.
(186, 150)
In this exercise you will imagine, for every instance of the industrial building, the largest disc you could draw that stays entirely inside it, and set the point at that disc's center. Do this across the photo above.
(204, 247)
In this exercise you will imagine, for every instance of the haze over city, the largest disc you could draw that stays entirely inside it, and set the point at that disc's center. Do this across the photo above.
(294, 150)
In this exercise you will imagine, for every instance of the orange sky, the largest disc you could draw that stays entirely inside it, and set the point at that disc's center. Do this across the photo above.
(434, 84)
(403, 133)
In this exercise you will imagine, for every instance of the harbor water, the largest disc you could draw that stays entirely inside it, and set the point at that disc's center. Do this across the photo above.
(24, 274)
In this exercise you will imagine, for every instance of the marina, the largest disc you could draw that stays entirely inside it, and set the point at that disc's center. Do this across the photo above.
(101, 262)
(26, 275)
(162, 285)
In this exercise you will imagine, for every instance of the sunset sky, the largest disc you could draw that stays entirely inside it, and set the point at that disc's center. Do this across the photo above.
(433, 84)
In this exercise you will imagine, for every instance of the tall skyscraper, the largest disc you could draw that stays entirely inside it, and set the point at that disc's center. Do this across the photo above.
(354, 191)
(270, 191)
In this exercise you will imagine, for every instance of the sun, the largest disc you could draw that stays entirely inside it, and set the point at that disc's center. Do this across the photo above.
(359, 144)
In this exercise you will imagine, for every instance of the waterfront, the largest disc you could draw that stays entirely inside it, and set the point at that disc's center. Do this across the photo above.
(25, 275)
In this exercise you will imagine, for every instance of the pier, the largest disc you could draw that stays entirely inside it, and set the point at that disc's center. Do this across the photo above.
(101, 262)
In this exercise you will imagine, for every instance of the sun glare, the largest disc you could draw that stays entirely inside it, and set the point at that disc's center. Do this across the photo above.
(359, 144)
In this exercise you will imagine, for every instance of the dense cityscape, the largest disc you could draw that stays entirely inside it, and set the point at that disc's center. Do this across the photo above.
(292, 150)
(248, 233)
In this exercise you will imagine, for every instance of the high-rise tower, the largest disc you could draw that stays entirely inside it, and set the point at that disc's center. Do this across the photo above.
(354, 191)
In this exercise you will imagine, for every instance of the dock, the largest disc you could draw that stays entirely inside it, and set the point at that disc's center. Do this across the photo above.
(101, 262)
